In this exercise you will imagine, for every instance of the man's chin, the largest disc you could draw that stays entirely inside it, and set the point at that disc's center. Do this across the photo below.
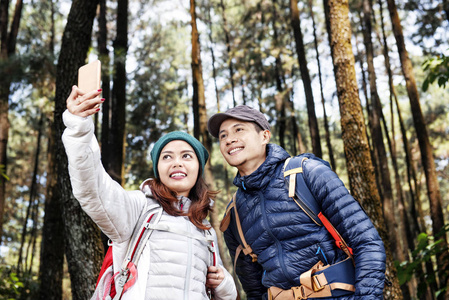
(234, 163)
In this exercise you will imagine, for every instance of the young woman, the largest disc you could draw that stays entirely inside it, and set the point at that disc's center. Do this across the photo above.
(176, 260)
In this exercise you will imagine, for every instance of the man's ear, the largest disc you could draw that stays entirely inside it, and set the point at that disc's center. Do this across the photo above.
(266, 135)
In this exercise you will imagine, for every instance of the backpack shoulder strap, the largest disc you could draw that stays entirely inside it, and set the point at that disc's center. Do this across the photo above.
(142, 232)
(231, 213)
(300, 193)
(298, 190)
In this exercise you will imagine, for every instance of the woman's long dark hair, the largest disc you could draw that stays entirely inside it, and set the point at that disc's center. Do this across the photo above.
(200, 196)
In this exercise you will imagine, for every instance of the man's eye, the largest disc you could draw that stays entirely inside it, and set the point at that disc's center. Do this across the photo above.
(222, 136)
(239, 129)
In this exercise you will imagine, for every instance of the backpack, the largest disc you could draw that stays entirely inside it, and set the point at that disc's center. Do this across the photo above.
(321, 280)
(107, 281)
(105, 288)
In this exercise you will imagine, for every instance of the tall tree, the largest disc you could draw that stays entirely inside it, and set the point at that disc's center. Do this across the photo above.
(378, 138)
(52, 259)
(428, 163)
(323, 102)
(105, 82)
(228, 49)
(8, 41)
(282, 92)
(214, 216)
(200, 115)
(358, 160)
(118, 108)
(106, 92)
(305, 76)
(82, 236)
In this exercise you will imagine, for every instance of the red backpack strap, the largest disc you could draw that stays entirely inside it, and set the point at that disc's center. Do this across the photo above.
(107, 261)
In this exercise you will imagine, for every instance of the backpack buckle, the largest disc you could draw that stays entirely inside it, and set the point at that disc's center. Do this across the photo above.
(316, 285)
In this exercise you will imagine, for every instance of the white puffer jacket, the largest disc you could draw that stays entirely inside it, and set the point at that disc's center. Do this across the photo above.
(174, 261)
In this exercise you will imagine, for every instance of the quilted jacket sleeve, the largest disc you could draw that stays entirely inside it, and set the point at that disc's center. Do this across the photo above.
(248, 272)
(113, 209)
(346, 214)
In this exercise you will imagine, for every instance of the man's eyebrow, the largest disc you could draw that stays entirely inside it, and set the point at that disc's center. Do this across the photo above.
(235, 125)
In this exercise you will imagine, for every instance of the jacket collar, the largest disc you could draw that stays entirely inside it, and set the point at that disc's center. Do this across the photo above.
(262, 176)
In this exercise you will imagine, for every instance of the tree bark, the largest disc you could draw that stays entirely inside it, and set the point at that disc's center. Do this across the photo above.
(389, 208)
(320, 77)
(7, 50)
(106, 93)
(305, 76)
(433, 189)
(82, 236)
(358, 160)
(212, 54)
(31, 202)
(228, 50)
(105, 83)
(52, 258)
(200, 115)
(214, 216)
(118, 108)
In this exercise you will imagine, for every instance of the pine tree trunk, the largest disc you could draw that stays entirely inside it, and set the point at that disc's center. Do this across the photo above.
(82, 236)
(31, 203)
(320, 77)
(212, 54)
(428, 163)
(358, 160)
(228, 50)
(105, 83)
(389, 208)
(214, 216)
(106, 93)
(118, 108)
(52, 258)
(302, 61)
(200, 123)
(7, 50)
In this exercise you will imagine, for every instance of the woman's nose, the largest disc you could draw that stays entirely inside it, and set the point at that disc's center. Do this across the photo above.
(177, 162)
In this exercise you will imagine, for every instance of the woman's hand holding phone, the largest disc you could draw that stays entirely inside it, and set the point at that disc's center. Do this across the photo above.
(84, 100)
(84, 104)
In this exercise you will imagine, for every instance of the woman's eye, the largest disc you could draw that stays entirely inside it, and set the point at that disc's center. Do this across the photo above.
(188, 156)
(166, 156)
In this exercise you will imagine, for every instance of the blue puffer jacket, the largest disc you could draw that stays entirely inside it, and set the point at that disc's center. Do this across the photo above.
(286, 240)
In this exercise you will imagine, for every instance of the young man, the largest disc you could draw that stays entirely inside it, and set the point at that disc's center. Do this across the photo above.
(286, 244)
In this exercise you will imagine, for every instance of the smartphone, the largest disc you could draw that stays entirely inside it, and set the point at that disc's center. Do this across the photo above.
(89, 76)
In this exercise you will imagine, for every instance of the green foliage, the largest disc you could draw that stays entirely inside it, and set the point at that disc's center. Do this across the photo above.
(426, 249)
(3, 172)
(437, 69)
(10, 284)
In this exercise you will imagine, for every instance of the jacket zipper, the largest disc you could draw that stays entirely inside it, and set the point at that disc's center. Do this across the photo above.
(278, 244)
(189, 266)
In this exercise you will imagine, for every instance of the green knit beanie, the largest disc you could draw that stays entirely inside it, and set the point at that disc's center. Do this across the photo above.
(199, 149)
